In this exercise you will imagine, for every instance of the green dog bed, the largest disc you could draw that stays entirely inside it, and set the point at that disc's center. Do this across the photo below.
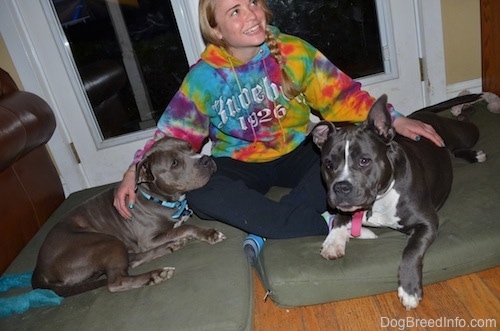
(468, 240)
(210, 290)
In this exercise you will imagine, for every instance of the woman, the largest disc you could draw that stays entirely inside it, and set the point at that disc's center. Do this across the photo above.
(251, 93)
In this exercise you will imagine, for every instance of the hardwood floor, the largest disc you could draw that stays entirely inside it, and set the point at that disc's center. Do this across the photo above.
(451, 305)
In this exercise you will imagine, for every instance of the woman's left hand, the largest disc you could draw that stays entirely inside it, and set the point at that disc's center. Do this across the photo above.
(415, 129)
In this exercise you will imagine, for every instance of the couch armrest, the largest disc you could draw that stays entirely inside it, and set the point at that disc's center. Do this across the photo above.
(26, 122)
(30, 187)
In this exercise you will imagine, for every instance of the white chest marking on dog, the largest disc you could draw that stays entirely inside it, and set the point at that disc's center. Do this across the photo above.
(384, 210)
(179, 223)
(345, 171)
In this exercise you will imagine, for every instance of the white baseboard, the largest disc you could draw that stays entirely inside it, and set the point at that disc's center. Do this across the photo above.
(474, 86)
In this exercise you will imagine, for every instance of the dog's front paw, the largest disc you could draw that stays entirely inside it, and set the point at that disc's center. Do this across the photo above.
(213, 236)
(332, 251)
(334, 245)
(161, 275)
(410, 301)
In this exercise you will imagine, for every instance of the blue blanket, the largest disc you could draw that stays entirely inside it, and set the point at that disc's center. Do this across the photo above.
(31, 299)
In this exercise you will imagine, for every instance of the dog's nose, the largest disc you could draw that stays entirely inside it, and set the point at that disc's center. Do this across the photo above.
(342, 188)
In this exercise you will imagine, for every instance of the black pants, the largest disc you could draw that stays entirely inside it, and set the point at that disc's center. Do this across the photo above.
(236, 195)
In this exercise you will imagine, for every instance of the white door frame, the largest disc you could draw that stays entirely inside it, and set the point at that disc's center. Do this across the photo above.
(35, 75)
(431, 45)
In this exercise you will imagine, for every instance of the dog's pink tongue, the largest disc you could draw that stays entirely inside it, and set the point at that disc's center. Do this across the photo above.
(357, 219)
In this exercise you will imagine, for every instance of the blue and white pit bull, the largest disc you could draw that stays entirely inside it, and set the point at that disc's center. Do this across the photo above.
(397, 183)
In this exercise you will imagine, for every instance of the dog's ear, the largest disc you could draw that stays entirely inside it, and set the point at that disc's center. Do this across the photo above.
(321, 132)
(143, 172)
(379, 119)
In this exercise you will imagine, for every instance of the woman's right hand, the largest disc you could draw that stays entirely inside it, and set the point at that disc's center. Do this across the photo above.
(125, 194)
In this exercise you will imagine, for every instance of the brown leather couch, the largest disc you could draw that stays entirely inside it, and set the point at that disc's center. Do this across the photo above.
(30, 188)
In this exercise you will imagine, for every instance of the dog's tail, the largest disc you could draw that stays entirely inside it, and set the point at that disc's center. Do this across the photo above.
(439, 107)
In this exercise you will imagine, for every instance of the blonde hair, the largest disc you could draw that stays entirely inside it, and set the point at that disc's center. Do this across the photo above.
(206, 17)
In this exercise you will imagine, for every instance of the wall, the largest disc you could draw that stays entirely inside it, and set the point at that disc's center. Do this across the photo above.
(462, 40)
(6, 63)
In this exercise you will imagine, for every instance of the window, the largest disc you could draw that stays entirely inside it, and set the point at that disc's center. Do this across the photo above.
(347, 32)
(130, 58)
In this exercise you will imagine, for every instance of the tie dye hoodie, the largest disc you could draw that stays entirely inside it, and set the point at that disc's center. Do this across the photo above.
(243, 110)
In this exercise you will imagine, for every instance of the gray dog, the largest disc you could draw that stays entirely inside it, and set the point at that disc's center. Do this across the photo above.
(93, 240)
(396, 182)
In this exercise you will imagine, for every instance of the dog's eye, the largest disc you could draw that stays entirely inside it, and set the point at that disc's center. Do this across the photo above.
(174, 164)
(364, 162)
(328, 164)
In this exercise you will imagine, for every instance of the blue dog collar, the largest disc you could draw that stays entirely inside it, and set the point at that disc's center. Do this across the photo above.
(181, 205)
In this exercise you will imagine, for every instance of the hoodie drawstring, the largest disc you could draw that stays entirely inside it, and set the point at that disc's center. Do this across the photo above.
(241, 91)
(282, 131)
